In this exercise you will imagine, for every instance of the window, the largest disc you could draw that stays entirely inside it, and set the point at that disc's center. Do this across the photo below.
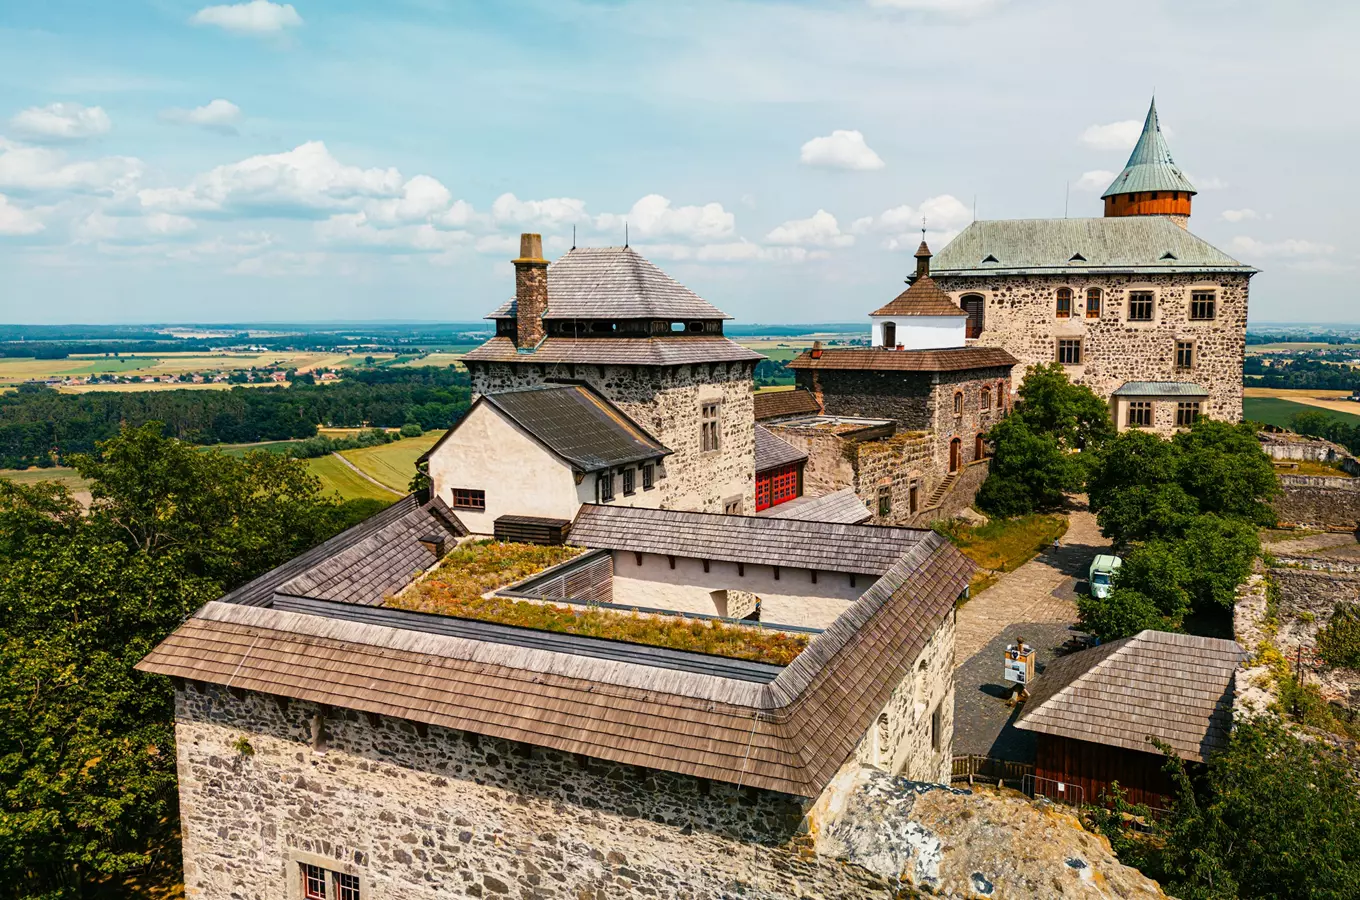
(912, 498)
(1064, 303)
(1186, 413)
(979, 448)
(777, 486)
(466, 498)
(732, 506)
(936, 728)
(889, 334)
(1185, 354)
(648, 476)
(604, 487)
(313, 882)
(346, 886)
(1140, 306)
(320, 884)
(974, 305)
(885, 500)
(1201, 306)
(1069, 351)
(708, 425)
(629, 480)
(1140, 414)
(986, 402)
(958, 403)
(1093, 303)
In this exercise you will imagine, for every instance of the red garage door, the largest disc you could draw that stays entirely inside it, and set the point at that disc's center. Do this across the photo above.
(777, 486)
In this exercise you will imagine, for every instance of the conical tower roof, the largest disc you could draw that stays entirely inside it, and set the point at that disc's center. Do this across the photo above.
(1150, 166)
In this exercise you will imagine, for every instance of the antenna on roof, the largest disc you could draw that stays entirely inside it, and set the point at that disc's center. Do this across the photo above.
(625, 234)
(573, 237)
(923, 229)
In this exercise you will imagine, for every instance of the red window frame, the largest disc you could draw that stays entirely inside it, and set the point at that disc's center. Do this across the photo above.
(313, 882)
(778, 486)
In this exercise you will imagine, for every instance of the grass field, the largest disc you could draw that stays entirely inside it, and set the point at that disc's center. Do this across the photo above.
(441, 358)
(1278, 411)
(393, 464)
(68, 477)
(17, 370)
(1323, 399)
(336, 477)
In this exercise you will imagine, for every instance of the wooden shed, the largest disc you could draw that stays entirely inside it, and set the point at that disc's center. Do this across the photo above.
(1095, 713)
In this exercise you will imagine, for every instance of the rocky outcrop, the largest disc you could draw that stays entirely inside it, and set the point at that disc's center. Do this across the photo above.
(979, 843)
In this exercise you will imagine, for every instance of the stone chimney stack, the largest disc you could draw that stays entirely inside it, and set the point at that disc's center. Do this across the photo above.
(531, 291)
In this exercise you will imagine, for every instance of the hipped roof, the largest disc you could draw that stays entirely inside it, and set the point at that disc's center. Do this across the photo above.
(664, 351)
(888, 360)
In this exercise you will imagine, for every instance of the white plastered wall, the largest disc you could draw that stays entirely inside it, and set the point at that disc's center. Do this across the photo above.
(922, 332)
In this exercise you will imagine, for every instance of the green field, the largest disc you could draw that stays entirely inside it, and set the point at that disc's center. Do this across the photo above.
(1274, 411)
(61, 474)
(243, 449)
(336, 477)
(393, 464)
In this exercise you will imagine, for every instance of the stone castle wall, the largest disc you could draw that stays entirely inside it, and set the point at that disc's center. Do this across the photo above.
(1319, 501)
(896, 463)
(666, 401)
(1309, 591)
(1020, 316)
(974, 419)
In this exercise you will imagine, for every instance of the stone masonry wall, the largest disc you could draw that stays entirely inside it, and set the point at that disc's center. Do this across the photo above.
(975, 419)
(1021, 317)
(1309, 591)
(1320, 501)
(903, 397)
(896, 463)
(666, 401)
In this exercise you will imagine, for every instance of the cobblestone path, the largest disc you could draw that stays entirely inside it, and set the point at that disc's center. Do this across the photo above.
(1042, 590)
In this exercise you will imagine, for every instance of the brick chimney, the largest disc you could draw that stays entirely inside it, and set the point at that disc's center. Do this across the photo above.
(531, 291)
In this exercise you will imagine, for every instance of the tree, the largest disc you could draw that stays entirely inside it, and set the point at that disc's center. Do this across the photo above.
(1223, 467)
(1029, 471)
(1311, 422)
(1072, 413)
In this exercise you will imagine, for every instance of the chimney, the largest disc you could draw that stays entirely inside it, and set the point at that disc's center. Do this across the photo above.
(922, 260)
(433, 543)
(531, 291)
(816, 349)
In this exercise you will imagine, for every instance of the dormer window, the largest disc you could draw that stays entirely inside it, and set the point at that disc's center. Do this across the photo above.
(990, 259)
(1168, 255)
(1077, 257)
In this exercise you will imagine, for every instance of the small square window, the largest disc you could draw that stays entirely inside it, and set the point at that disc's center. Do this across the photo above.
(648, 476)
(604, 487)
(346, 887)
(732, 506)
(1185, 354)
(1069, 351)
(467, 498)
(1186, 413)
(1140, 414)
(1140, 306)
(313, 882)
(629, 480)
(1202, 305)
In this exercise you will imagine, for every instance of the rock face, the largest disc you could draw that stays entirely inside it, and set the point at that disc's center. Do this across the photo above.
(982, 843)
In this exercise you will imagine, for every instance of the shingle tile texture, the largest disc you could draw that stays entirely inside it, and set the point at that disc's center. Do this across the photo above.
(772, 453)
(778, 404)
(883, 359)
(664, 351)
(578, 425)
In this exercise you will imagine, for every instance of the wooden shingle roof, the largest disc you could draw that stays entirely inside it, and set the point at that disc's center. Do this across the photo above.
(618, 351)
(1177, 688)
(771, 452)
(779, 404)
(790, 735)
(842, 506)
(753, 540)
(922, 298)
(884, 359)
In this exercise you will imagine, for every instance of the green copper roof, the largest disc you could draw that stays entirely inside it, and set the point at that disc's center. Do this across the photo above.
(1150, 166)
(1147, 244)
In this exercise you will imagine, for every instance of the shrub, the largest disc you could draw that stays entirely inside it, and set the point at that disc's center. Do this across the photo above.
(1122, 613)
(1338, 644)
(412, 429)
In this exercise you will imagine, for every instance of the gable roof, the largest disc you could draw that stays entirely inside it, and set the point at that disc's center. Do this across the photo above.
(1175, 687)
(777, 404)
(614, 283)
(1150, 166)
(842, 506)
(791, 735)
(922, 298)
(887, 359)
(772, 452)
(753, 540)
(575, 423)
(1047, 246)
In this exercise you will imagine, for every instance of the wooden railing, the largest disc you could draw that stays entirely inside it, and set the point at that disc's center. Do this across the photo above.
(989, 769)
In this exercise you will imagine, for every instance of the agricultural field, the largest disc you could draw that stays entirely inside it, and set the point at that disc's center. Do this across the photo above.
(440, 358)
(336, 477)
(393, 464)
(1334, 401)
(1278, 411)
(15, 370)
(1296, 346)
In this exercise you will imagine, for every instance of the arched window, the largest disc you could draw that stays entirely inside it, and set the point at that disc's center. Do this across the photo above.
(890, 334)
(958, 403)
(1093, 303)
(955, 454)
(986, 402)
(975, 306)
(1064, 302)
(979, 447)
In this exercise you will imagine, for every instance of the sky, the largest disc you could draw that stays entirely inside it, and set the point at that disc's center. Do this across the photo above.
(171, 161)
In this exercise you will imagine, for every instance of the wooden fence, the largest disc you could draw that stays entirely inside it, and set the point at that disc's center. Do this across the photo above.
(990, 769)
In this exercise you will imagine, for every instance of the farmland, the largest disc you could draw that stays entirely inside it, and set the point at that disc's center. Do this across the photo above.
(1279, 411)
(336, 477)
(16, 370)
(393, 464)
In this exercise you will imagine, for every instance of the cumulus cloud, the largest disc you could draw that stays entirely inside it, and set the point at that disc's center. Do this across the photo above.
(218, 115)
(962, 9)
(944, 216)
(304, 181)
(729, 252)
(1238, 215)
(356, 231)
(653, 217)
(61, 122)
(99, 227)
(40, 169)
(1097, 180)
(255, 17)
(1114, 136)
(841, 150)
(818, 230)
(553, 212)
(16, 221)
(1290, 247)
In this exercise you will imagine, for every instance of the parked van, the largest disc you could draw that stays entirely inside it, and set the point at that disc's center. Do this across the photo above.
(1101, 577)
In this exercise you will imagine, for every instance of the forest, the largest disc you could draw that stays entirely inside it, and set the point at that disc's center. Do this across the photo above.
(41, 427)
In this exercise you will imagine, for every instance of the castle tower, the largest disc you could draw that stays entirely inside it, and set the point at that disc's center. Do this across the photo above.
(1151, 183)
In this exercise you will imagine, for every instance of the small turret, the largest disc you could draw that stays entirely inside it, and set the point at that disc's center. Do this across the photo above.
(1151, 183)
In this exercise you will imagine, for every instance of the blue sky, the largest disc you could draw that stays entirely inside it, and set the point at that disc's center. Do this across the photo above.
(180, 161)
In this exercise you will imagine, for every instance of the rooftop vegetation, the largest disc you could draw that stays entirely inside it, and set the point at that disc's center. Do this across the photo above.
(457, 586)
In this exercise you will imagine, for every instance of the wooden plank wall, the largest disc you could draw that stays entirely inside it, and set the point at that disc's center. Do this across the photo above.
(1095, 766)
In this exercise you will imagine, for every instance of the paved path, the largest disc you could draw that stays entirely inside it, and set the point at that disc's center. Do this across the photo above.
(1042, 590)
(367, 477)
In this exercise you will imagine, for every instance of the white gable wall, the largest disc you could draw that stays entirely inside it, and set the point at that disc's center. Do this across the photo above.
(922, 332)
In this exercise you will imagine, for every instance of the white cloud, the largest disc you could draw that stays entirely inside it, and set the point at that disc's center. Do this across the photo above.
(15, 221)
(653, 216)
(281, 263)
(551, 213)
(255, 17)
(1114, 136)
(1290, 247)
(729, 252)
(1208, 183)
(218, 115)
(841, 150)
(1238, 215)
(963, 9)
(356, 231)
(301, 181)
(98, 227)
(39, 169)
(422, 198)
(1097, 180)
(62, 122)
(818, 230)
(944, 216)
